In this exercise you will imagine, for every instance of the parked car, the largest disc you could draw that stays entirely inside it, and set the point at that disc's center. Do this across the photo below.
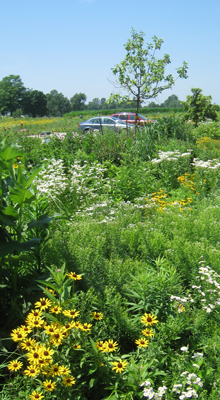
(130, 118)
(97, 123)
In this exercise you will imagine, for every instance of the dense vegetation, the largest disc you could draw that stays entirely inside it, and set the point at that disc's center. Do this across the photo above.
(109, 261)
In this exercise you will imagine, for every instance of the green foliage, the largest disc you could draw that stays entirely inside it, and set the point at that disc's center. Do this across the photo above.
(198, 107)
(140, 73)
(11, 93)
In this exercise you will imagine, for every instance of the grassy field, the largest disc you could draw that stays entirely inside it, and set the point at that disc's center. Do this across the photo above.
(110, 276)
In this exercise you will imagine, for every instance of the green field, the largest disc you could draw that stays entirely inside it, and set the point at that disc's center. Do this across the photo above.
(109, 255)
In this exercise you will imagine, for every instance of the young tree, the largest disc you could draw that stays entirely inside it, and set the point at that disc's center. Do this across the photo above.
(34, 103)
(140, 73)
(57, 104)
(78, 101)
(198, 107)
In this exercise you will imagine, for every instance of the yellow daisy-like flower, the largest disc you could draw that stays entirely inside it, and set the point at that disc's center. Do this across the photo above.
(32, 371)
(28, 344)
(33, 314)
(100, 345)
(55, 370)
(110, 346)
(34, 356)
(69, 381)
(64, 370)
(57, 337)
(25, 329)
(50, 329)
(148, 332)
(51, 291)
(149, 319)
(142, 342)
(97, 315)
(15, 365)
(71, 313)
(36, 323)
(18, 335)
(119, 366)
(49, 386)
(86, 327)
(68, 325)
(46, 352)
(55, 309)
(43, 304)
(35, 395)
(78, 325)
(74, 276)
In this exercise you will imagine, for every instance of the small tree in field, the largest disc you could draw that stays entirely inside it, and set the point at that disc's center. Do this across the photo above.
(198, 107)
(140, 73)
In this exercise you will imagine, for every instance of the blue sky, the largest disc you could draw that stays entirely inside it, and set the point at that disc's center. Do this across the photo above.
(71, 45)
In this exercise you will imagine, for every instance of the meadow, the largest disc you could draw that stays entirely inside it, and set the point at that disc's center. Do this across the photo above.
(109, 261)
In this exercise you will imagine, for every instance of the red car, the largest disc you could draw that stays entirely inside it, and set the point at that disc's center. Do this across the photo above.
(130, 118)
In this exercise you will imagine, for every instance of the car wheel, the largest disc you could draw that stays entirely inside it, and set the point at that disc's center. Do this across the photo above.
(87, 130)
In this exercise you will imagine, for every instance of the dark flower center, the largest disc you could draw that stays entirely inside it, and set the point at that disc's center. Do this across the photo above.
(36, 322)
(55, 369)
(75, 275)
(36, 355)
(51, 330)
(120, 365)
(36, 396)
(149, 319)
(46, 353)
(36, 313)
(43, 303)
(142, 342)
(57, 335)
(49, 386)
(68, 380)
(32, 371)
(15, 365)
(72, 312)
(67, 326)
(110, 345)
(19, 335)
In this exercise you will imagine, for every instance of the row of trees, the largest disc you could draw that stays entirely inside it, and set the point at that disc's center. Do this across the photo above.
(16, 99)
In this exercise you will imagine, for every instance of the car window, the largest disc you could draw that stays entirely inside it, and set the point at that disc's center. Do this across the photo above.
(108, 121)
(123, 117)
(94, 121)
(116, 115)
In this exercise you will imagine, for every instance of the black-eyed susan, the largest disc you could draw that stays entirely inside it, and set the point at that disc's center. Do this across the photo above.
(34, 313)
(57, 337)
(55, 309)
(35, 395)
(77, 325)
(110, 346)
(68, 326)
(142, 342)
(36, 323)
(50, 329)
(149, 319)
(148, 332)
(26, 329)
(119, 366)
(49, 386)
(71, 313)
(64, 370)
(86, 327)
(15, 365)
(51, 291)
(28, 344)
(69, 380)
(100, 345)
(32, 371)
(34, 356)
(97, 315)
(55, 370)
(18, 335)
(46, 352)
(74, 276)
(43, 304)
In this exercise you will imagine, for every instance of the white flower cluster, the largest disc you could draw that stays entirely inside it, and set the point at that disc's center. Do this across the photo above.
(209, 164)
(52, 179)
(209, 289)
(150, 393)
(189, 391)
(179, 301)
(169, 156)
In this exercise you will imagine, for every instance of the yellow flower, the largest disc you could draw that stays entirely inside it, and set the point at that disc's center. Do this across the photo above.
(36, 323)
(46, 352)
(68, 325)
(73, 275)
(36, 395)
(148, 332)
(15, 365)
(18, 335)
(119, 366)
(28, 344)
(76, 346)
(71, 313)
(149, 319)
(25, 329)
(64, 370)
(69, 381)
(57, 337)
(32, 315)
(34, 355)
(50, 329)
(43, 304)
(77, 325)
(32, 371)
(51, 291)
(49, 386)
(86, 327)
(142, 342)
(55, 309)
(55, 370)
(97, 315)
(110, 346)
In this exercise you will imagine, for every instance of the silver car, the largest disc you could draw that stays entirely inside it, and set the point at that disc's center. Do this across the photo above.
(100, 123)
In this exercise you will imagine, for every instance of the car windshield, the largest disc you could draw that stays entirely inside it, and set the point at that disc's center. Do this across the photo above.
(142, 117)
(118, 121)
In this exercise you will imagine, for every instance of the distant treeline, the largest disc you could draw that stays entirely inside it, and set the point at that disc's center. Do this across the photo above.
(144, 110)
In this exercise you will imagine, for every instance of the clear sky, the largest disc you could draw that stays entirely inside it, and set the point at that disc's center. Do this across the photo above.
(71, 45)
